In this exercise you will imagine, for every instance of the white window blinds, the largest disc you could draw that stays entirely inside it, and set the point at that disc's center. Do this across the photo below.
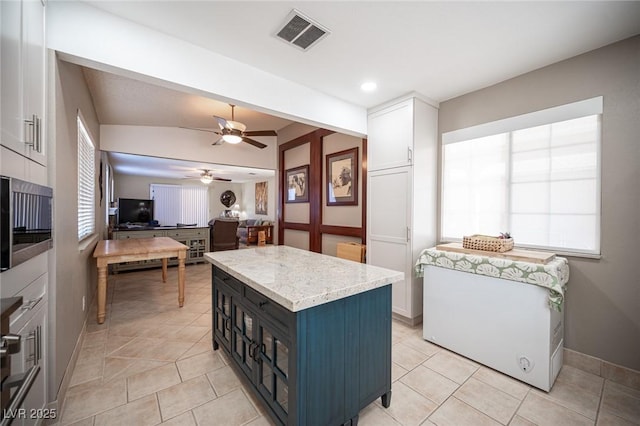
(86, 182)
(176, 204)
(539, 182)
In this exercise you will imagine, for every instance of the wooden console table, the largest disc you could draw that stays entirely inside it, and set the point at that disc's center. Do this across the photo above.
(115, 251)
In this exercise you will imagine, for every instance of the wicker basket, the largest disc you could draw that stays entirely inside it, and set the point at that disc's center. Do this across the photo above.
(487, 243)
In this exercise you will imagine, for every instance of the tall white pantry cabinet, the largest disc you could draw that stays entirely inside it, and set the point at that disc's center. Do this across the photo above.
(402, 191)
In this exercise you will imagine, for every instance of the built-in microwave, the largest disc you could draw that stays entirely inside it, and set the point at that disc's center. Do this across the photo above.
(25, 221)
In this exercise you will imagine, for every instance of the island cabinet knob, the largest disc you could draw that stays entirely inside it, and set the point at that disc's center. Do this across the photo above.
(261, 304)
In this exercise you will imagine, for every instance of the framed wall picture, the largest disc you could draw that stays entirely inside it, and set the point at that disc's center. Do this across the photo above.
(297, 188)
(261, 197)
(342, 178)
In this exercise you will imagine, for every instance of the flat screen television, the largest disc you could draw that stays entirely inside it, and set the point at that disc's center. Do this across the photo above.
(133, 210)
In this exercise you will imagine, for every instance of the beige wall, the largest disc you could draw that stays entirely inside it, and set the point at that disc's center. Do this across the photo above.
(248, 200)
(293, 131)
(73, 273)
(602, 314)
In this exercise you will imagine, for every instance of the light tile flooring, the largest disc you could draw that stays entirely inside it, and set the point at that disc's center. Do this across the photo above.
(151, 362)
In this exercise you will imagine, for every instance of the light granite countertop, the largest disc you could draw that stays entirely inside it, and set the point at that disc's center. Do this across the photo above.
(299, 279)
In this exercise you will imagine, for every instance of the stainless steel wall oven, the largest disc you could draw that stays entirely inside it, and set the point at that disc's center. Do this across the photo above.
(25, 221)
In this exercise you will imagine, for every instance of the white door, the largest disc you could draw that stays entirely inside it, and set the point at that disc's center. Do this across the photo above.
(388, 225)
(390, 137)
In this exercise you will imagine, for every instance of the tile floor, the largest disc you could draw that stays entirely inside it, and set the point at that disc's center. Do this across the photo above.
(151, 363)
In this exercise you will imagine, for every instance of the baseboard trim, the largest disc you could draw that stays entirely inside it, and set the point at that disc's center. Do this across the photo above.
(605, 369)
(68, 372)
(409, 321)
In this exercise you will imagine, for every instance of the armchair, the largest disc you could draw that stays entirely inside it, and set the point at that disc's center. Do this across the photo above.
(222, 234)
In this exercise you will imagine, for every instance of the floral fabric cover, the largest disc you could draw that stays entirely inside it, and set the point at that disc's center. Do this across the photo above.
(553, 275)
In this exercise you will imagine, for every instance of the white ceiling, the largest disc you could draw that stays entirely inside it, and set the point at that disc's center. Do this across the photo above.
(139, 165)
(438, 49)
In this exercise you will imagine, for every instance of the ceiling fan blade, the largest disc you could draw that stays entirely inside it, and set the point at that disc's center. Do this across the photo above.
(201, 130)
(261, 133)
(254, 143)
(222, 179)
(221, 122)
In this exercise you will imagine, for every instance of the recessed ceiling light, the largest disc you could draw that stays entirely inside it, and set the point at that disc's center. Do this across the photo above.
(369, 86)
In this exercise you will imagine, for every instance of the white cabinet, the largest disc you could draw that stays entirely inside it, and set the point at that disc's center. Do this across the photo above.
(402, 190)
(22, 56)
(389, 227)
(390, 137)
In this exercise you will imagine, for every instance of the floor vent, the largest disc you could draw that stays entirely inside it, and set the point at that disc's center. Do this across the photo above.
(301, 31)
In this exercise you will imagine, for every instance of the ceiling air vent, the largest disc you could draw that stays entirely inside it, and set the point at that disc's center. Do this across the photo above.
(301, 31)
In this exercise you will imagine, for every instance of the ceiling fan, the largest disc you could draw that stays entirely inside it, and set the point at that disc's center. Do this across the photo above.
(207, 177)
(234, 132)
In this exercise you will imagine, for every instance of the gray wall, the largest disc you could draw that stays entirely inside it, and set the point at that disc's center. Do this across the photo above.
(74, 270)
(602, 316)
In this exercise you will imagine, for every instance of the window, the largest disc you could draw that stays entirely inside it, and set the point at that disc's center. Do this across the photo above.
(175, 204)
(536, 176)
(86, 181)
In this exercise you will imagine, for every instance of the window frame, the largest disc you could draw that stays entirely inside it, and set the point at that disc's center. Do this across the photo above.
(588, 107)
(86, 180)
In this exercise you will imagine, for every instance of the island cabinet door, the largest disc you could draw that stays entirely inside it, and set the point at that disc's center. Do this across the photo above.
(222, 296)
(274, 368)
(243, 338)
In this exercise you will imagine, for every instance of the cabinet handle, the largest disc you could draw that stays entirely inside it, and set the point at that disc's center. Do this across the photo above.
(408, 234)
(10, 344)
(29, 134)
(227, 323)
(261, 304)
(30, 304)
(33, 335)
(409, 154)
(263, 349)
(254, 353)
(36, 130)
(38, 344)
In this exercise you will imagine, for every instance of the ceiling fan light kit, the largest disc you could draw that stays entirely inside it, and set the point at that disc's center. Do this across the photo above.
(207, 177)
(234, 132)
(232, 137)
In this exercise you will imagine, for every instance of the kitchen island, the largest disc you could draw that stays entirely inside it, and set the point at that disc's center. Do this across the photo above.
(310, 333)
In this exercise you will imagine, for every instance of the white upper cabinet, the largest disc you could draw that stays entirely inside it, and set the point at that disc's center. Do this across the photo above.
(33, 63)
(390, 137)
(10, 77)
(22, 51)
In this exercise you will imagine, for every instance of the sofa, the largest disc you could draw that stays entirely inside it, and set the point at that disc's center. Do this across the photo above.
(223, 234)
(248, 231)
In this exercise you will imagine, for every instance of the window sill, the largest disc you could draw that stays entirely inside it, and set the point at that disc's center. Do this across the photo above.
(544, 250)
(88, 242)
